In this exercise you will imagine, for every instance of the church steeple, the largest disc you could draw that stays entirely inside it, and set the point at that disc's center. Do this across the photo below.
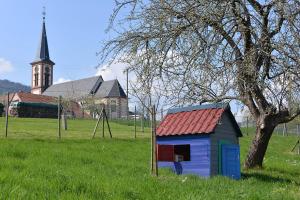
(43, 50)
(42, 66)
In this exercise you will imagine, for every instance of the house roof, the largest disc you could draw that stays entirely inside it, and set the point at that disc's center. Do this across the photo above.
(201, 119)
(34, 98)
(110, 89)
(75, 89)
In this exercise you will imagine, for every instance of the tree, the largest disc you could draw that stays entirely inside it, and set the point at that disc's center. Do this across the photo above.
(210, 51)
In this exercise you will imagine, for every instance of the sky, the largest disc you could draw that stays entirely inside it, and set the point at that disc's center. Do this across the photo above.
(75, 31)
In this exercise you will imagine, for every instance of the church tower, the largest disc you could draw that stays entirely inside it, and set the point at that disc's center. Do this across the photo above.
(42, 66)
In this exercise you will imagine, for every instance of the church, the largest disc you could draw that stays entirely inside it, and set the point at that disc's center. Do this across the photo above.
(93, 90)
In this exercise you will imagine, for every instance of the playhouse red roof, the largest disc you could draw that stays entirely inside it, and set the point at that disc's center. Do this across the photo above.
(191, 120)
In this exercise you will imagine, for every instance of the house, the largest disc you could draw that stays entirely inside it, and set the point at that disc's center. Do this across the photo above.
(201, 140)
(25, 104)
(94, 91)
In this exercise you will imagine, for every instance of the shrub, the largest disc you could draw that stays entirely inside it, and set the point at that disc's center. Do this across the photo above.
(1, 109)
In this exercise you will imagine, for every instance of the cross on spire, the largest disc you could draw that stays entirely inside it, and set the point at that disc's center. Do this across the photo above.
(44, 13)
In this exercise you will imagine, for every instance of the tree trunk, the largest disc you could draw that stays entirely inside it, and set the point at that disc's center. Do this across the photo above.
(259, 146)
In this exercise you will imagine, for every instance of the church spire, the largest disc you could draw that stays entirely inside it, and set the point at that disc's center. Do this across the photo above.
(43, 51)
(42, 66)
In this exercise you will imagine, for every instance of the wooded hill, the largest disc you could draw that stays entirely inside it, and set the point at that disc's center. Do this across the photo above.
(9, 86)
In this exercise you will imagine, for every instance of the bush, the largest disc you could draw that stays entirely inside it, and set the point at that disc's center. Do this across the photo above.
(1, 109)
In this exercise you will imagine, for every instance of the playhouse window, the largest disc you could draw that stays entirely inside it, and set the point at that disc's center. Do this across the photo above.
(174, 153)
(183, 152)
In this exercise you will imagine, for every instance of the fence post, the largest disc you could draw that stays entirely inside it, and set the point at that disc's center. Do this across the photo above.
(154, 166)
(6, 116)
(284, 131)
(155, 145)
(142, 119)
(127, 93)
(107, 124)
(98, 120)
(151, 125)
(58, 116)
(247, 126)
(135, 121)
(103, 115)
(64, 120)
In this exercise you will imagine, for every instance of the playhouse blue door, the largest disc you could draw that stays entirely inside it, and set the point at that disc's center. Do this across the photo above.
(231, 161)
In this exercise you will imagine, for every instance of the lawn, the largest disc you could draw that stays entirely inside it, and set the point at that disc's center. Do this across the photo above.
(36, 165)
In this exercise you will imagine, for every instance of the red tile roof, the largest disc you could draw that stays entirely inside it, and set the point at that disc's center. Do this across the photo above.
(35, 98)
(201, 121)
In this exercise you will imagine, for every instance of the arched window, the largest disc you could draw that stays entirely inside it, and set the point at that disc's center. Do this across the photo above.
(36, 76)
(113, 106)
(47, 76)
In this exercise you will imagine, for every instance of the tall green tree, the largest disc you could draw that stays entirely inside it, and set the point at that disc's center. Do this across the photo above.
(207, 51)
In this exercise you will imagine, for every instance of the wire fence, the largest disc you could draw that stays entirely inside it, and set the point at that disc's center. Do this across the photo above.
(70, 119)
(64, 118)
(291, 128)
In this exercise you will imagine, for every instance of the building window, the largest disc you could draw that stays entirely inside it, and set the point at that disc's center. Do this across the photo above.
(36, 76)
(47, 76)
(174, 153)
(113, 105)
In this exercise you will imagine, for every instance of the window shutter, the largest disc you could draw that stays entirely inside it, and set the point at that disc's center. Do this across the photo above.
(165, 153)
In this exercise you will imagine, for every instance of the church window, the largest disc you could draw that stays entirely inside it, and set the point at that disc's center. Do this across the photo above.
(36, 76)
(113, 106)
(47, 75)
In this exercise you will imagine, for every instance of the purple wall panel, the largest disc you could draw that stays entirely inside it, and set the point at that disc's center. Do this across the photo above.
(200, 155)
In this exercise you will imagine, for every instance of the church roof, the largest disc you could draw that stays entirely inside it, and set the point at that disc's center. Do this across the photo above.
(75, 89)
(84, 87)
(42, 54)
(110, 89)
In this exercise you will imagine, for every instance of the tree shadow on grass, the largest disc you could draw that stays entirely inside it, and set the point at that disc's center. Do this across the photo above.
(269, 178)
(281, 171)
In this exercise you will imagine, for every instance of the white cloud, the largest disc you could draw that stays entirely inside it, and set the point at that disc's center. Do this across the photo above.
(5, 66)
(61, 80)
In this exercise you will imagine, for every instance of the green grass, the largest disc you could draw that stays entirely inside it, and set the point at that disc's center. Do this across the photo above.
(28, 128)
(35, 165)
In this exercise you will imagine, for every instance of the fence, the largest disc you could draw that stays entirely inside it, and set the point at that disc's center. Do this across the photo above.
(291, 128)
(67, 120)
(80, 120)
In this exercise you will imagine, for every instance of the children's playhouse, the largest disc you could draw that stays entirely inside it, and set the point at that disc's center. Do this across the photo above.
(201, 140)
